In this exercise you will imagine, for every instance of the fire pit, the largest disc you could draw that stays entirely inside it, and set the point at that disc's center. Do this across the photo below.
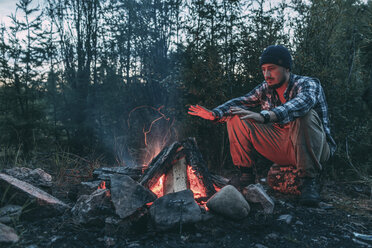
(178, 167)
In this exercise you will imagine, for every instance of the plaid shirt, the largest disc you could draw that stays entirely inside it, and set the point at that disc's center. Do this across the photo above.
(302, 95)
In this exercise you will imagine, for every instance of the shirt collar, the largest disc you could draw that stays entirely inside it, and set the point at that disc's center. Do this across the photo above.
(290, 86)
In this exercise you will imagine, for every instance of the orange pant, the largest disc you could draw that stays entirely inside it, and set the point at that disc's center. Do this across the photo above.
(301, 143)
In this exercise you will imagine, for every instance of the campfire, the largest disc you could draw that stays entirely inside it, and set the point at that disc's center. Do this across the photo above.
(178, 167)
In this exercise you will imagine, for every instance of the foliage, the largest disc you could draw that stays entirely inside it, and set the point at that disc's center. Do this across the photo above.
(91, 76)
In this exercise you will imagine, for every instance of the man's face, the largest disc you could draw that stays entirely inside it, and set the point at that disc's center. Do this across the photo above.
(274, 74)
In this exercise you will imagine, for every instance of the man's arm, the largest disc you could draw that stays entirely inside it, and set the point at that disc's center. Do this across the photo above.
(252, 99)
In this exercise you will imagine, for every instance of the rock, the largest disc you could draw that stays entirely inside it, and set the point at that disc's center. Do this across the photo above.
(36, 177)
(255, 193)
(104, 173)
(7, 234)
(109, 241)
(93, 209)
(10, 213)
(39, 203)
(325, 206)
(175, 209)
(287, 218)
(260, 246)
(272, 236)
(87, 188)
(115, 225)
(127, 195)
(229, 202)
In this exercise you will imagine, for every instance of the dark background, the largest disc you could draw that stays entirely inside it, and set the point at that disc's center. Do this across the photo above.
(81, 81)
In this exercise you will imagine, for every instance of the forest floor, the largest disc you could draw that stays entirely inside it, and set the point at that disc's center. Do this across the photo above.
(346, 208)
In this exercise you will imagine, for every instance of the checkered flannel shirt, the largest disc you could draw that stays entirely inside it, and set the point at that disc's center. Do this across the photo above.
(302, 95)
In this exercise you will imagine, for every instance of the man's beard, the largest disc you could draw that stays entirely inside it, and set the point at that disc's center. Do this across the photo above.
(278, 85)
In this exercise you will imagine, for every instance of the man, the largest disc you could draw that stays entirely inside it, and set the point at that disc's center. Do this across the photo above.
(292, 128)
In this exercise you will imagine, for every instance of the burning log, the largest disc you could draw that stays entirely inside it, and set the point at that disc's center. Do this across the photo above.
(176, 178)
(160, 165)
(171, 162)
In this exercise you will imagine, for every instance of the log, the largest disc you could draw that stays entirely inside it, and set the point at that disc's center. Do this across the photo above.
(195, 159)
(176, 178)
(219, 181)
(160, 165)
(165, 160)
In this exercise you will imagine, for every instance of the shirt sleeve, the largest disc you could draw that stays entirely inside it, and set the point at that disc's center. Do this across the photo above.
(252, 99)
(301, 104)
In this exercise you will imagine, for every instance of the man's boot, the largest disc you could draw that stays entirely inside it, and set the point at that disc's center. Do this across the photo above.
(245, 178)
(309, 192)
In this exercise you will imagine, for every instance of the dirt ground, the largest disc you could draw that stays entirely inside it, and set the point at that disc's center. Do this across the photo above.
(345, 209)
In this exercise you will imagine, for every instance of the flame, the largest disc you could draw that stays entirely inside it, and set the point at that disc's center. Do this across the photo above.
(216, 188)
(157, 189)
(102, 185)
(204, 204)
(196, 185)
(151, 152)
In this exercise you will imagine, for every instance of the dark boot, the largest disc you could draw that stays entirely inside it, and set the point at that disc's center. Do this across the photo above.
(309, 192)
(242, 180)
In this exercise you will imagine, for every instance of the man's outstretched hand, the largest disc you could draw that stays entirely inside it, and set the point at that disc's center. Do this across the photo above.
(246, 114)
(202, 112)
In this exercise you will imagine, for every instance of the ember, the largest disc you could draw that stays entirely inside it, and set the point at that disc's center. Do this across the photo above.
(158, 187)
(196, 185)
(102, 185)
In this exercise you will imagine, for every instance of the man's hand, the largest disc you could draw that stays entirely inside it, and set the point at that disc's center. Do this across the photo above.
(202, 112)
(246, 114)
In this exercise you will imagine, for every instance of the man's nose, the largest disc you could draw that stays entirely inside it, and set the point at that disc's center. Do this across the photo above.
(266, 73)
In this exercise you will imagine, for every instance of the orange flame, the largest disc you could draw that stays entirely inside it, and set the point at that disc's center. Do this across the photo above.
(157, 189)
(204, 204)
(196, 185)
(102, 185)
(216, 188)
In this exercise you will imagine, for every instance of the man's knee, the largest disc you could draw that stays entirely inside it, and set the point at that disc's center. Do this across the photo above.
(234, 121)
(311, 118)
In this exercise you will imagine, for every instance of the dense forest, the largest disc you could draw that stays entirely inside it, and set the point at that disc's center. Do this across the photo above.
(111, 80)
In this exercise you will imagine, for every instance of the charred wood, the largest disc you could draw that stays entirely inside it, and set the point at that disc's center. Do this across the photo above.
(160, 165)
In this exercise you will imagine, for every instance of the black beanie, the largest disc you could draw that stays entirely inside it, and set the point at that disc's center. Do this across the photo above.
(278, 55)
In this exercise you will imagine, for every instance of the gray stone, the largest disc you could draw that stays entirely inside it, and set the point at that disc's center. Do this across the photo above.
(272, 236)
(10, 213)
(260, 246)
(93, 209)
(127, 195)
(87, 188)
(116, 225)
(256, 194)
(175, 209)
(287, 218)
(7, 234)
(109, 241)
(229, 202)
(104, 173)
(38, 202)
(36, 177)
